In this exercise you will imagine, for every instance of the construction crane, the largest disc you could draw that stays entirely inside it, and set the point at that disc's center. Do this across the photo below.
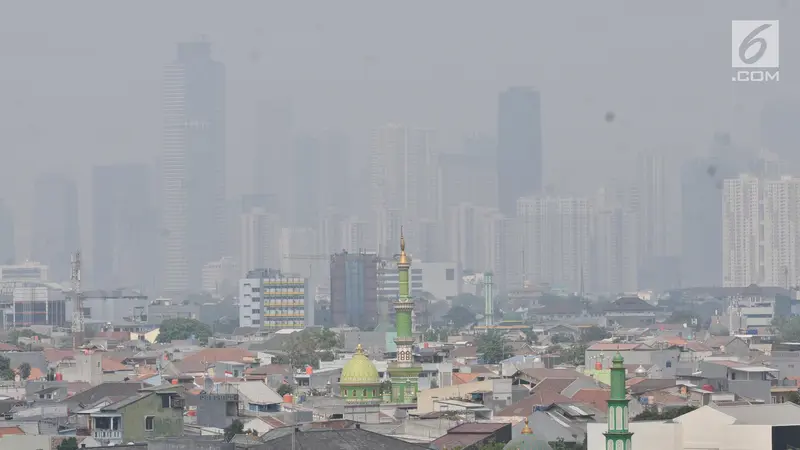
(77, 301)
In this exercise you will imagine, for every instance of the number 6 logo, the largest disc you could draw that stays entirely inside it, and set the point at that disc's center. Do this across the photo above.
(751, 40)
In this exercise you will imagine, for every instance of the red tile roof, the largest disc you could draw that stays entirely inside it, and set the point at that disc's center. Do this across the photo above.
(462, 378)
(594, 397)
(6, 431)
(212, 355)
(112, 365)
(4, 347)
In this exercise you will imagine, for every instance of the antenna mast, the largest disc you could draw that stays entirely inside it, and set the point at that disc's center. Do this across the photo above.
(77, 301)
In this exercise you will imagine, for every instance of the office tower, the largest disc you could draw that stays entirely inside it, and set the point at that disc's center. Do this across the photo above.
(56, 235)
(652, 188)
(7, 245)
(614, 251)
(555, 239)
(274, 301)
(467, 178)
(470, 231)
(519, 147)
(260, 234)
(124, 227)
(781, 206)
(701, 206)
(403, 171)
(354, 290)
(271, 167)
(193, 165)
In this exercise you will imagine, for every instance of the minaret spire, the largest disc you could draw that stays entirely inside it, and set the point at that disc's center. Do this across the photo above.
(618, 436)
(404, 374)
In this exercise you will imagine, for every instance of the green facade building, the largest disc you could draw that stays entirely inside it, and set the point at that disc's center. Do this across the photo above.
(618, 437)
(360, 381)
(404, 373)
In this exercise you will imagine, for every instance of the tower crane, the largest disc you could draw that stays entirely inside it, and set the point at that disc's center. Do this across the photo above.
(77, 301)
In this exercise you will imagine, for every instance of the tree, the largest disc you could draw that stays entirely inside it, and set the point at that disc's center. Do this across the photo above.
(530, 336)
(327, 355)
(69, 443)
(326, 339)
(301, 349)
(493, 347)
(15, 334)
(574, 354)
(594, 333)
(5, 369)
(386, 387)
(460, 316)
(236, 427)
(793, 397)
(284, 389)
(182, 328)
(24, 370)
(559, 444)
(788, 328)
(472, 302)
(669, 414)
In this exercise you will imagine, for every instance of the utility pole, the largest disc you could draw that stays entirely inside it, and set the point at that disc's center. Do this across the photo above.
(77, 301)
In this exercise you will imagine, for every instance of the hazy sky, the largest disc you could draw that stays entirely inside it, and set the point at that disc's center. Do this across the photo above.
(80, 80)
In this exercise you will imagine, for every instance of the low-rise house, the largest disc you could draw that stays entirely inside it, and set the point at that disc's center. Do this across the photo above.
(152, 412)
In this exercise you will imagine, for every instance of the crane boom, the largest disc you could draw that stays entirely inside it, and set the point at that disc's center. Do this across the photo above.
(77, 301)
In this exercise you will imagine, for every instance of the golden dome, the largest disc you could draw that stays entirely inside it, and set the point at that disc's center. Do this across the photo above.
(359, 370)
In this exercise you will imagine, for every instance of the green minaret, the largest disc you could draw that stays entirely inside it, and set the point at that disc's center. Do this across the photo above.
(618, 437)
(404, 374)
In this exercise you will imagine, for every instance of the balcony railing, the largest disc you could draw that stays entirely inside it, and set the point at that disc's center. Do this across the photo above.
(108, 435)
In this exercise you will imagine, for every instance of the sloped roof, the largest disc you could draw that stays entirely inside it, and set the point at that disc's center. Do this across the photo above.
(6, 431)
(212, 355)
(258, 392)
(112, 365)
(595, 397)
(109, 389)
(339, 439)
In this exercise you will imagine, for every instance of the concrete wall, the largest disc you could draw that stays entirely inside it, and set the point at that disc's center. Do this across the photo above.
(425, 399)
(168, 422)
(646, 435)
(32, 442)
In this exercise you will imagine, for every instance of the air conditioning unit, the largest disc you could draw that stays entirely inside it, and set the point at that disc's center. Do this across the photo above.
(178, 402)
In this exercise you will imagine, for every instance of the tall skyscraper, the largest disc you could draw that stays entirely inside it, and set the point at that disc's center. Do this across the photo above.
(7, 244)
(519, 147)
(56, 235)
(260, 237)
(193, 165)
(556, 240)
(273, 151)
(124, 227)
(652, 187)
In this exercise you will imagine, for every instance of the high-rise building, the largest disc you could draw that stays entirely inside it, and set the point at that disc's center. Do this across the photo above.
(354, 290)
(555, 240)
(470, 178)
(56, 235)
(614, 251)
(7, 244)
(761, 232)
(193, 165)
(271, 168)
(124, 227)
(652, 188)
(260, 236)
(403, 171)
(519, 147)
(274, 301)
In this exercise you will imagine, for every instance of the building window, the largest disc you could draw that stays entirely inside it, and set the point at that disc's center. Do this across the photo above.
(353, 393)
(165, 401)
(148, 423)
(344, 392)
(365, 393)
(373, 392)
(450, 274)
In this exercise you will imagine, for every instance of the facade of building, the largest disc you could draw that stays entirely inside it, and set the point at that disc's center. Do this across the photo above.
(404, 372)
(117, 307)
(220, 277)
(27, 271)
(56, 234)
(34, 304)
(124, 227)
(354, 290)
(7, 243)
(519, 147)
(272, 300)
(193, 165)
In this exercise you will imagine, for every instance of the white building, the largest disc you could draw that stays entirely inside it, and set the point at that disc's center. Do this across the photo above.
(750, 427)
(761, 232)
(651, 185)
(555, 240)
(615, 241)
(272, 300)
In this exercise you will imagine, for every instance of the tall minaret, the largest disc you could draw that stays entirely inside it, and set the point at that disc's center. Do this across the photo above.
(618, 437)
(404, 374)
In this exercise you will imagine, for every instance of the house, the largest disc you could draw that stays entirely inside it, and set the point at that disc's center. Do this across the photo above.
(740, 378)
(629, 312)
(355, 438)
(254, 397)
(472, 436)
(152, 412)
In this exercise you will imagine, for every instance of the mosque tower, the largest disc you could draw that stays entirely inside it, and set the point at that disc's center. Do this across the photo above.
(618, 437)
(404, 373)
